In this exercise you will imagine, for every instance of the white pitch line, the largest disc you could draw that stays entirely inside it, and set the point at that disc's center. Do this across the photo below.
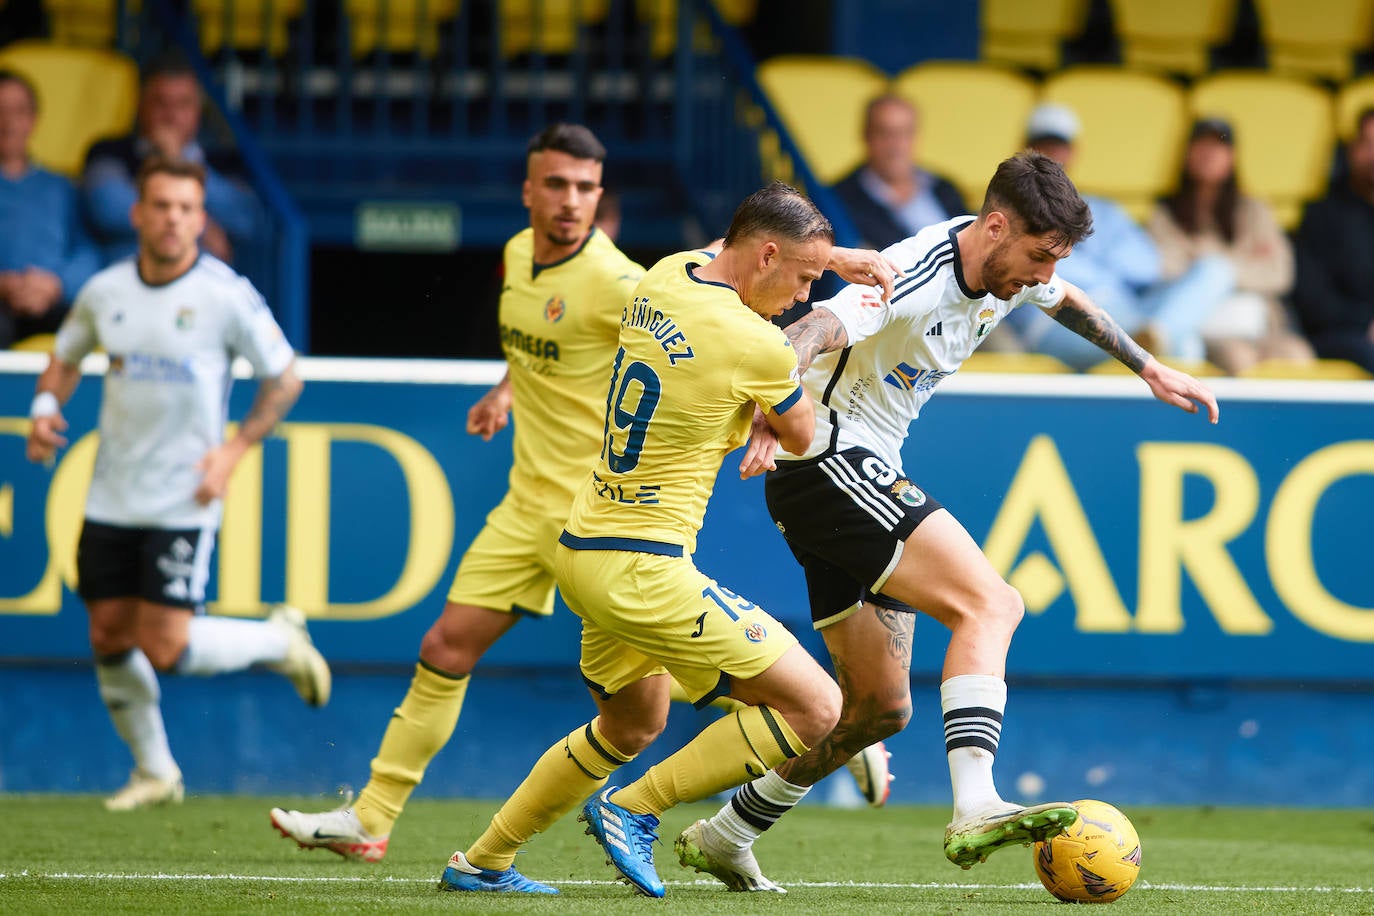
(894, 885)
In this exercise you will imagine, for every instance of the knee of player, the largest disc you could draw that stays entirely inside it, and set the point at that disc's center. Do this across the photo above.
(450, 651)
(818, 717)
(1008, 607)
(872, 718)
(628, 735)
(162, 654)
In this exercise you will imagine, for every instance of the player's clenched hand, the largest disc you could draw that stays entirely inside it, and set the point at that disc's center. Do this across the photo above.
(865, 267)
(215, 466)
(1179, 389)
(759, 452)
(45, 438)
(491, 413)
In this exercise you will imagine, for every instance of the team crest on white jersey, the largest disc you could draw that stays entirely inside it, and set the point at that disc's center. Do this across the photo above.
(185, 318)
(985, 317)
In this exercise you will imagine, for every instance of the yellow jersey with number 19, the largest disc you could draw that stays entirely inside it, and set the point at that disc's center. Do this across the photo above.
(692, 363)
(559, 324)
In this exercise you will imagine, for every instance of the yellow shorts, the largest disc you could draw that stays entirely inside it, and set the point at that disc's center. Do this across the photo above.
(643, 614)
(509, 565)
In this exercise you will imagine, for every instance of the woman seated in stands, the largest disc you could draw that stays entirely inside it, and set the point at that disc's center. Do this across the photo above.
(1238, 256)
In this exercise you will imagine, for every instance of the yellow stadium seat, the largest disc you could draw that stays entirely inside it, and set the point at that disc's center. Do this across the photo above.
(1353, 98)
(1315, 37)
(1041, 363)
(1133, 129)
(245, 25)
(1283, 135)
(546, 26)
(1172, 35)
(821, 102)
(401, 26)
(1028, 33)
(1333, 370)
(1198, 368)
(661, 15)
(957, 101)
(84, 23)
(84, 94)
(37, 343)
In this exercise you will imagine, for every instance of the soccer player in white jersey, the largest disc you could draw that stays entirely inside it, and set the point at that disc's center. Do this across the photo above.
(172, 321)
(875, 546)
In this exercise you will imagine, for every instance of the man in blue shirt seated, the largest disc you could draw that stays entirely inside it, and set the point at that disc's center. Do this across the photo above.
(169, 125)
(45, 251)
(1118, 266)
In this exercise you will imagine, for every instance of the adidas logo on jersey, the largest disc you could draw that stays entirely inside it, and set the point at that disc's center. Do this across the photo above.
(937, 331)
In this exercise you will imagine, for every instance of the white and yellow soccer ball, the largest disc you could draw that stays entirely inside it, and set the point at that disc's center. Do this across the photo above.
(1095, 861)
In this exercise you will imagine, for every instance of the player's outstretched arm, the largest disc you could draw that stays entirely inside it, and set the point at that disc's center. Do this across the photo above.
(55, 388)
(274, 400)
(1079, 314)
(491, 413)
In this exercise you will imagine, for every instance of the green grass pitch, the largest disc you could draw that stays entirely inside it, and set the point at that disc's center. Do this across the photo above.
(65, 854)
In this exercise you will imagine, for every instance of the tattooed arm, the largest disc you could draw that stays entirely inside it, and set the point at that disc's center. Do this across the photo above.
(1079, 314)
(274, 400)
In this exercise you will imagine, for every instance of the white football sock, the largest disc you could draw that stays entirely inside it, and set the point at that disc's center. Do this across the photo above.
(218, 644)
(755, 807)
(128, 686)
(973, 705)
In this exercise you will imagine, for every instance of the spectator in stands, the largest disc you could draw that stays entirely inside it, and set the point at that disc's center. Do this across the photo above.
(1335, 249)
(1244, 256)
(45, 250)
(168, 124)
(1117, 265)
(889, 197)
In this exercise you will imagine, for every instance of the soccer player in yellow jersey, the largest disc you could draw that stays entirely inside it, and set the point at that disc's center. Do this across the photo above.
(695, 357)
(566, 285)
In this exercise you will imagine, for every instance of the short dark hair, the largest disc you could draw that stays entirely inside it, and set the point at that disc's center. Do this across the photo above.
(574, 139)
(161, 165)
(19, 79)
(1032, 189)
(889, 98)
(779, 209)
(171, 63)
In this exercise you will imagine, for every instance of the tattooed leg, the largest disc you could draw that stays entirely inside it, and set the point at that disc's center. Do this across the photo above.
(871, 650)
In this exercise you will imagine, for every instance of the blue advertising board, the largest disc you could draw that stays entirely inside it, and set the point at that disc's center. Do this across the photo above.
(1145, 542)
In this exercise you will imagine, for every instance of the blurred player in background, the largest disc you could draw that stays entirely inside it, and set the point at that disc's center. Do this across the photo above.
(875, 547)
(172, 320)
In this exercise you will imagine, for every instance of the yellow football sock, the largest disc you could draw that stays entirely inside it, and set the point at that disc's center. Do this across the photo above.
(678, 695)
(568, 772)
(419, 728)
(729, 752)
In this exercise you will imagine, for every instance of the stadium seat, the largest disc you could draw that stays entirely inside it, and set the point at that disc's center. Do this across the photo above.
(1353, 98)
(1172, 35)
(1331, 370)
(1315, 37)
(1028, 33)
(84, 94)
(405, 26)
(958, 100)
(245, 25)
(1283, 135)
(1133, 129)
(821, 102)
(546, 26)
(84, 23)
(36, 343)
(1041, 363)
(661, 17)
(1198, 368)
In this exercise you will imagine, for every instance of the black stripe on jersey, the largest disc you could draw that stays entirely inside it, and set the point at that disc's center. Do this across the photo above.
(829, 390)
(922, 279)
(938, 250)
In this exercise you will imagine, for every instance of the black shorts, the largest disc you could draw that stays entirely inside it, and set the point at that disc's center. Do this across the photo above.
(160, 565)
(845, 516)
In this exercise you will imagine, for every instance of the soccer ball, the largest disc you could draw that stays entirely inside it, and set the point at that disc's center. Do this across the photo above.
(1095, 861)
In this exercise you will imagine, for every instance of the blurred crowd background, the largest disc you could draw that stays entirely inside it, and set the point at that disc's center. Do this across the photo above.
(366, 155)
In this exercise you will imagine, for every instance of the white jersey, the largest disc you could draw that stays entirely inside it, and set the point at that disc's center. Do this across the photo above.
(166, 392)
(868, 393)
